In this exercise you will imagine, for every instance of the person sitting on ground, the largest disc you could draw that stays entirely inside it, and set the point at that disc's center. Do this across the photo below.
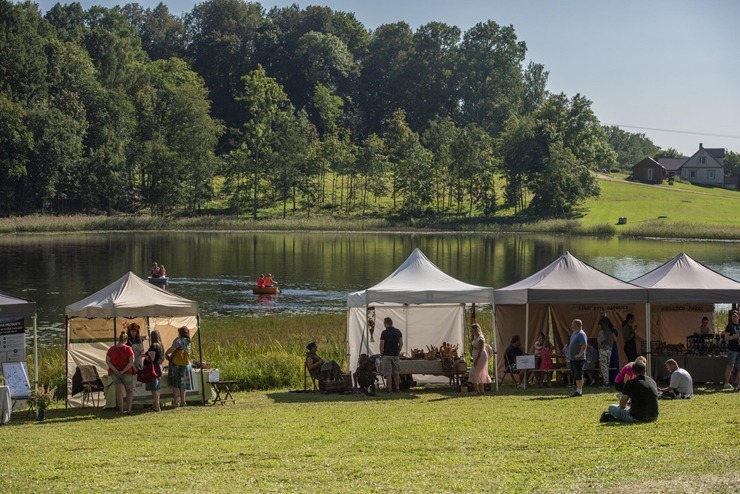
(590, 368)
(641, 393)
(320, 369)
(510, 356)
(261, 281)
(625, 374)
(681, 385)
(154, 272)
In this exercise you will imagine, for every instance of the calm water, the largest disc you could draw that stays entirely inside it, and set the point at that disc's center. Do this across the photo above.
(315, 271)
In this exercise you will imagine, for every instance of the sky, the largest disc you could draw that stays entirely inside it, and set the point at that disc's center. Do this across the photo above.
(669, 69)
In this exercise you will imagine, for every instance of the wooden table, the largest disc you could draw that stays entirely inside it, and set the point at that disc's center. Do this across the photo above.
(430, 367)
(223, 387)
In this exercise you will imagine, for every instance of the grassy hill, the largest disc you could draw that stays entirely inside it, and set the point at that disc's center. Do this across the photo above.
(663, 208)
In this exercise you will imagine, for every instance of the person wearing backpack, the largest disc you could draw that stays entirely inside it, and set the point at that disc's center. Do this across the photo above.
(178, 375)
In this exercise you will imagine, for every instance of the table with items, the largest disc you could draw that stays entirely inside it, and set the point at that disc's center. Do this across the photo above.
(704, 357)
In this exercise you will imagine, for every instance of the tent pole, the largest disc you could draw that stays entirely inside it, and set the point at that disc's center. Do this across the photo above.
(526, 339)
(200, 356)
(647, 338)
(66, 361)
(35, 354)
(495, 344)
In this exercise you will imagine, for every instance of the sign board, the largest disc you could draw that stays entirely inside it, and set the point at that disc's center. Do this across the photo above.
(524, 362)
(12, 340)
(16, 378)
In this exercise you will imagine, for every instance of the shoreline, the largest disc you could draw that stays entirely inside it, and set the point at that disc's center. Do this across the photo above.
(52, 225)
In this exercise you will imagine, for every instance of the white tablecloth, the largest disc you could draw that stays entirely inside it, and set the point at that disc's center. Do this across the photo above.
(6, 404)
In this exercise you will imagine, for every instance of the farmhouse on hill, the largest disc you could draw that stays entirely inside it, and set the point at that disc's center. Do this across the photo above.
(705, 167)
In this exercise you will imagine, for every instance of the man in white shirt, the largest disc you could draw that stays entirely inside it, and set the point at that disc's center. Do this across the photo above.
(681, 384)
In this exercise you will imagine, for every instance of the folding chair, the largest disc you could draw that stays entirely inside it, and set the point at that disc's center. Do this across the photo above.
(92, 386)
(306, 376)
(507, 371)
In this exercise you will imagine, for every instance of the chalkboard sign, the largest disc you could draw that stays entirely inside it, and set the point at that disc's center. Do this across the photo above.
(16, 378)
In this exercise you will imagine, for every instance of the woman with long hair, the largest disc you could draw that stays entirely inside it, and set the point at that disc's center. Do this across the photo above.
(120, 360)
(479, 375)
(155, 354)
(136, 342)
(178, 374)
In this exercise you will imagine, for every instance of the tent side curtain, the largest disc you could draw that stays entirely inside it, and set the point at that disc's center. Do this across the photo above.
(481, 295)
(421, 325)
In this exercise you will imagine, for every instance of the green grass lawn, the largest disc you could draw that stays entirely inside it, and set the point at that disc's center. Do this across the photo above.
(435, 440)
(649, 204)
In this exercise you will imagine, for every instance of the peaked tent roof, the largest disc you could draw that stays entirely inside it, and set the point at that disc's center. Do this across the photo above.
(568, 280)
(419, 281)
(130, 296)
(12, 306)
(682, 279)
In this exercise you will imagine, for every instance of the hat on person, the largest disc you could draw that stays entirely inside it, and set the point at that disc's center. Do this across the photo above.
(311, 345)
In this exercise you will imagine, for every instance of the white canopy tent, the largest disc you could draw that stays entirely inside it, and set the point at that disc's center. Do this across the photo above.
(93, 323)
(15, 307)
(565, 288)
(425, 303)
(680, 286)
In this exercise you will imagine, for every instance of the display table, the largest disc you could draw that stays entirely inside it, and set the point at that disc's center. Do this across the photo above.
(429, 367)
(659, 370)
(6, 404)
(706, 369)
(143, 397)
(703, 368)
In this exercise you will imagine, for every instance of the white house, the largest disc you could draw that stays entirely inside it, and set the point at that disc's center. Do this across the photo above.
(706, 166)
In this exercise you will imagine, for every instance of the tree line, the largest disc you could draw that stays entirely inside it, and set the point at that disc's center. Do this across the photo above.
(301, 110)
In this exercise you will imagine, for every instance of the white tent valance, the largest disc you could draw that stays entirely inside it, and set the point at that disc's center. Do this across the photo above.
(682, 279)
(419, 281)
(568, 280)
(130, 296)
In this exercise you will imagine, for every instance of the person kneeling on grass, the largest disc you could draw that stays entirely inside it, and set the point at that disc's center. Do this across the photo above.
(641, 393)
(680, 386)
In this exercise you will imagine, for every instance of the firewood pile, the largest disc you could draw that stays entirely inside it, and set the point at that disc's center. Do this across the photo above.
(446, 351)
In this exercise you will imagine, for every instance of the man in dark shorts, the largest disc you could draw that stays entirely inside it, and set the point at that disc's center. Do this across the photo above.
(641, 393)
(391, 343)
(577, 354)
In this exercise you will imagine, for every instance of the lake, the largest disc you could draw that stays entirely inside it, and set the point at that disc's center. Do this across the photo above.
(315, 270)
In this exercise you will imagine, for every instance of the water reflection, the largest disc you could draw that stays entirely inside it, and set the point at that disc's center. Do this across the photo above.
(316, 271)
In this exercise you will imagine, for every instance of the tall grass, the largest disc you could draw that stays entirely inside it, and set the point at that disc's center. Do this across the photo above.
(76, 223)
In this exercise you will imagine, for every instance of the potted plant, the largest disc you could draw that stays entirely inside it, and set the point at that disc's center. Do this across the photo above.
(40, 399)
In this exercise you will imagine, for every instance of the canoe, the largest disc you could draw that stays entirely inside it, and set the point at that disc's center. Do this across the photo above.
(161, 282)
(265, 290)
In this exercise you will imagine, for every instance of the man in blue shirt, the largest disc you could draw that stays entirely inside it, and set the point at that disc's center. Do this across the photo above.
(391, 343)
(577, 354)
